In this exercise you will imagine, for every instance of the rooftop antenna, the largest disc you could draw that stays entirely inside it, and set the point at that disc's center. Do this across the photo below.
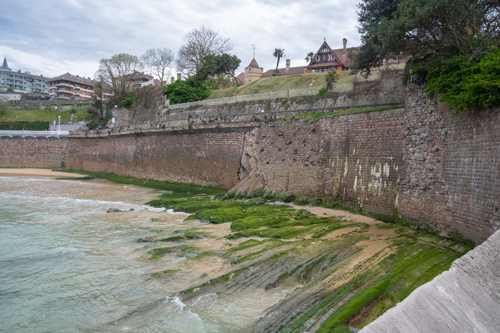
(253, 47)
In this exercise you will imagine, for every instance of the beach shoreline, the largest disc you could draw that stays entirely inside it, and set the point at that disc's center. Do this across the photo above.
(36, 173)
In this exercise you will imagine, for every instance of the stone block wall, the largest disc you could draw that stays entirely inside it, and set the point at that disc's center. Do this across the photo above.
(33, 154)
(451, 166)
(352, 159)
(202, 157)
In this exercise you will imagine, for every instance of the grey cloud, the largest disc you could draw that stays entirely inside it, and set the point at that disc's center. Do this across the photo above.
(79, 33)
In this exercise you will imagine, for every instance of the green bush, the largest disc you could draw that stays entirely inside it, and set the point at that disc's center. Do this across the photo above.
(468, 81)
(189, 90)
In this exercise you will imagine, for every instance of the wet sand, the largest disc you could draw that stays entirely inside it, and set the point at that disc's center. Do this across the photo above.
(36, 173)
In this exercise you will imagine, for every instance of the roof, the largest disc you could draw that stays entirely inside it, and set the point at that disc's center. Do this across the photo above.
(285, 71)
(254, 64)
(323, 64)
(339, 57)
(241, 77)
(5, 67)
(72, 78)
(140, 75)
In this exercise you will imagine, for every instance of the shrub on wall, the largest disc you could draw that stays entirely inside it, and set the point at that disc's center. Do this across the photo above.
(468, 81)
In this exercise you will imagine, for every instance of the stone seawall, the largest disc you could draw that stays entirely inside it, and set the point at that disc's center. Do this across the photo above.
(202, 157)
(209, 156)
(421, 164)
(353, 160)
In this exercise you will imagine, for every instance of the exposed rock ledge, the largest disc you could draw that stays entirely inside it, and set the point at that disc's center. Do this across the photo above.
(465, 298)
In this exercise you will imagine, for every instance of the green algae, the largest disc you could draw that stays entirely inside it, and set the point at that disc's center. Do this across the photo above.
(287, 251)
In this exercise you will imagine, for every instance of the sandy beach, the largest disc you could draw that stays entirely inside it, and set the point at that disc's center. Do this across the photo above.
(36, 173)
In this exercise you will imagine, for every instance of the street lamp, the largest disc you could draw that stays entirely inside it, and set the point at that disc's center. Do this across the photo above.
(59, 125)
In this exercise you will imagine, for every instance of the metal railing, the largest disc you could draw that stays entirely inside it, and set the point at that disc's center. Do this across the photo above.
(263, 96)
(34, 134)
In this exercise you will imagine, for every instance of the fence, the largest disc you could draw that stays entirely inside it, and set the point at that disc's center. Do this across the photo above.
(33, 134)
(263, 96)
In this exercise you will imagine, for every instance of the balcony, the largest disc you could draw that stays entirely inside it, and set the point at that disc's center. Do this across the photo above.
(64, 85)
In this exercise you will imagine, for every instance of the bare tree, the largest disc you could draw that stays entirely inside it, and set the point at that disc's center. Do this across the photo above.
(199, 44)
(117, 72)
(157, 61)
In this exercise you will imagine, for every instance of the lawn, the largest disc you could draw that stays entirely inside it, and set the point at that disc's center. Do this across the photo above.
(43, 115)
(280, 83)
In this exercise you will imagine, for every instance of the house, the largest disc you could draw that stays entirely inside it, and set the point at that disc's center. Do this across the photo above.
(23, 82)
(71, 87)
(328, 59)
(136, 79)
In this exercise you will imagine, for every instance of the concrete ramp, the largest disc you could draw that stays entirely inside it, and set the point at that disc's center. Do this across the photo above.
(465, 298)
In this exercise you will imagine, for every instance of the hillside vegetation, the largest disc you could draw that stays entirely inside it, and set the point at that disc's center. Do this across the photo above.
(44, 115)
(279, 83)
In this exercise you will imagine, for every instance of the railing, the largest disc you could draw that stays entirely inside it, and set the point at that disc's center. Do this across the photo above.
(263, 96)
(34, 134)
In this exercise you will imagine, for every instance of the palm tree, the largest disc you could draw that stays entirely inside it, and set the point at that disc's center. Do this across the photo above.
(278, 53)
(309, 57)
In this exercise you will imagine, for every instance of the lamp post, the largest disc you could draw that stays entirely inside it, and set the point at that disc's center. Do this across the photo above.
(59, 125)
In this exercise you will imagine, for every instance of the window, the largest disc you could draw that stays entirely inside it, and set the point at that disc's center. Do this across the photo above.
(325, 70)
(323, 57)
(315, 70)
(77, 85)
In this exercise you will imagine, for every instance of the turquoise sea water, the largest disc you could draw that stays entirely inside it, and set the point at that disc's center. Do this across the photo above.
(68, 266)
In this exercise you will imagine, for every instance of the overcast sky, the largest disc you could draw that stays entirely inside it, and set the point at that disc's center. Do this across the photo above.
(52, 37)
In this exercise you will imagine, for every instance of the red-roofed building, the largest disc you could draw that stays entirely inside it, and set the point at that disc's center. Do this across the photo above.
(241, 79)
(253, 72)
(328, 59)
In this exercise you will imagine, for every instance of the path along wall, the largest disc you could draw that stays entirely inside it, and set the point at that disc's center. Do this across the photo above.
(422, 164)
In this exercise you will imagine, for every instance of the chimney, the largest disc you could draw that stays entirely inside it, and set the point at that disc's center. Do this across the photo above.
(172, 79)
(287, 63)
(178, 76)
(345, 45)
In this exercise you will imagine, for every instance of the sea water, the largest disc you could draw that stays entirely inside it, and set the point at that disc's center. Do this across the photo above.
(66, 265)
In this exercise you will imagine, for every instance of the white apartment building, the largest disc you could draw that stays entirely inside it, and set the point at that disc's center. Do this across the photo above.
(21, 82)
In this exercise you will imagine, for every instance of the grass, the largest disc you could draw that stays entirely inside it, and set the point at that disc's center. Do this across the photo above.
(280, 83)
(175, 189)
(314, 116)
(44, 115)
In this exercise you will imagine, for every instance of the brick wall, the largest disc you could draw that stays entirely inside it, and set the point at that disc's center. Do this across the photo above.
(203, 157)
(351, 159)
(32, 153)
(423, 163)
(451, 166)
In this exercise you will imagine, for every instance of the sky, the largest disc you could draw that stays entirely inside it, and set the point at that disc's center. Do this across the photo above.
(53, 37)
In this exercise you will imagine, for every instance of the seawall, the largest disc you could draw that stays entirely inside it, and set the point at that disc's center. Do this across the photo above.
(421, 164)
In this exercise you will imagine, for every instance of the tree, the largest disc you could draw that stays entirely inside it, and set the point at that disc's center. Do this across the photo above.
(157, 61)
(190, 90)
(465, 83)
(99, 110)
(434, 30)
(331, 78)
(224, 64)
(310, 57)
(117, 72)
(370, 15)
(278, 53)
(4, 105)
(199, 44)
